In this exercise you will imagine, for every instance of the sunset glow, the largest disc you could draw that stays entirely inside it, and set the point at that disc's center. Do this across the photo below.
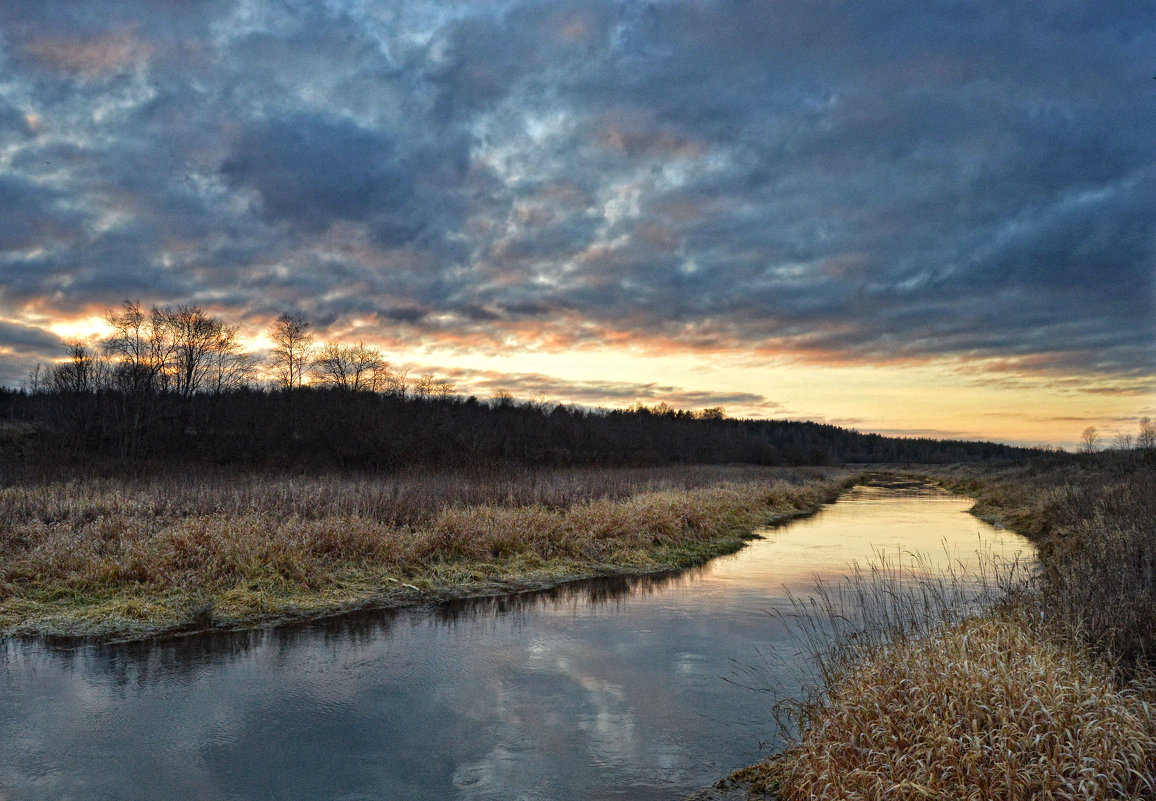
(934, 222)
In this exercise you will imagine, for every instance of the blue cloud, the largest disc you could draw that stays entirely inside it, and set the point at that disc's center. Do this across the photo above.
(875, 180)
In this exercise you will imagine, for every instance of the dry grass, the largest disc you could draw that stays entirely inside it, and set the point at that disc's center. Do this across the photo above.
(407, 498)
(1094, 522)
(984, 709)
(103, 555)
(998, 688)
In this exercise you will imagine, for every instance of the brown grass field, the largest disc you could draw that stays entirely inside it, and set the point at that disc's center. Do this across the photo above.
(986, 709)
(132, 557)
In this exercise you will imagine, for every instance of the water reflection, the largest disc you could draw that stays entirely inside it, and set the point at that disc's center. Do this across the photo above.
(599, 689)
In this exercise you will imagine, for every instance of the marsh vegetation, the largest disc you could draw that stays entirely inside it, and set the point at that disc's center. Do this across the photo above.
(1044, 689)
(129, 556)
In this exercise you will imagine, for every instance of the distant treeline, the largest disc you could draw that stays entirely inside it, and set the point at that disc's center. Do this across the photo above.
(175, 384)
(333, 427)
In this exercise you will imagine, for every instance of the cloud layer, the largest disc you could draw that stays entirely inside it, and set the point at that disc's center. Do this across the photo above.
(840, 182)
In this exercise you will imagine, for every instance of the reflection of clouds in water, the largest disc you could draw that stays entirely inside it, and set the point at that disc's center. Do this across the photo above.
(490, 776)
(578, 693)
(610, 723)
(689, 664)
(554, 705)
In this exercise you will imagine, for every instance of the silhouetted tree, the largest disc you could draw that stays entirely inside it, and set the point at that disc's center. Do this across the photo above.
(1089, 440)
(196, 338)
(351, 367)
(80, 373)
(293, 349)
(230, 367)
(142, 348)
(1146, 438)
(430, 386)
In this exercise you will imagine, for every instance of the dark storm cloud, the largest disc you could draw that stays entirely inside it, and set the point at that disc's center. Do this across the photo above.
(22, 347)
(24, 338)
(31, 215)
(851, 181)
(311, 171)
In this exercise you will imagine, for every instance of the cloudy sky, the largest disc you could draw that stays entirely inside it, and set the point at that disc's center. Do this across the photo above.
(898, 216)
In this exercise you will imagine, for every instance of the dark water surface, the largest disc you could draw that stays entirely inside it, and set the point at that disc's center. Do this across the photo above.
(596, 690)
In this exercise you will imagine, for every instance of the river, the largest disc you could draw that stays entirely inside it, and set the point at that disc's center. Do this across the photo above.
(623, 688)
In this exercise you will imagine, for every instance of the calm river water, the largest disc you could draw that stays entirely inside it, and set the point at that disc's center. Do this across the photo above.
(597, 690)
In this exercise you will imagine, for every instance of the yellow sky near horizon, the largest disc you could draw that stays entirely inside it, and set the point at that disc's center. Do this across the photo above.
(942, 399)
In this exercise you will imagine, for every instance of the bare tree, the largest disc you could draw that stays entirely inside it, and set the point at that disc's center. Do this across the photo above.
(351, 367)
(423, 385)
(1124, 442)
(1146, 438)
(230, 367)
(184, 350)
(1089, 440)
(293, 349)
(38, 379)
(395, 382)
(79, 374)
(540, 401)
(196, 337)
(370, 369)
(142, 348)
(430, 386)
(75, 382)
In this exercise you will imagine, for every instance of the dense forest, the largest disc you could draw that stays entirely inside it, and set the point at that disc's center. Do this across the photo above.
(340, 428)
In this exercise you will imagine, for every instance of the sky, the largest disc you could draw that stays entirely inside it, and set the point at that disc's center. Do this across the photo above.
(925, 218)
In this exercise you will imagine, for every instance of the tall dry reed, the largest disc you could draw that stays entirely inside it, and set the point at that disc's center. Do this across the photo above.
(984, 709)
(248, 546)
(999, 688)
(1094, 522)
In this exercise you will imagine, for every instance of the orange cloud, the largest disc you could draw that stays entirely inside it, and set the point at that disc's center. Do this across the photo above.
(98, 55)
(657, 235)
(635, 142)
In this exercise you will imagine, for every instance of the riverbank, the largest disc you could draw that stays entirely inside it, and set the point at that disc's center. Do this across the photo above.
(123, 558)
(1049, 693)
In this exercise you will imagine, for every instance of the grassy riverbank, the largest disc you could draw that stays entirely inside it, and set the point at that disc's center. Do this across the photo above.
(128, 557)
(1048, 694)
(1093, 521)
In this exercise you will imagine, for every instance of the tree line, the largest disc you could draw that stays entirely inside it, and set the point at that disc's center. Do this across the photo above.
(185, 351)
(1144, 439)
(325, 427)
(176, 384)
